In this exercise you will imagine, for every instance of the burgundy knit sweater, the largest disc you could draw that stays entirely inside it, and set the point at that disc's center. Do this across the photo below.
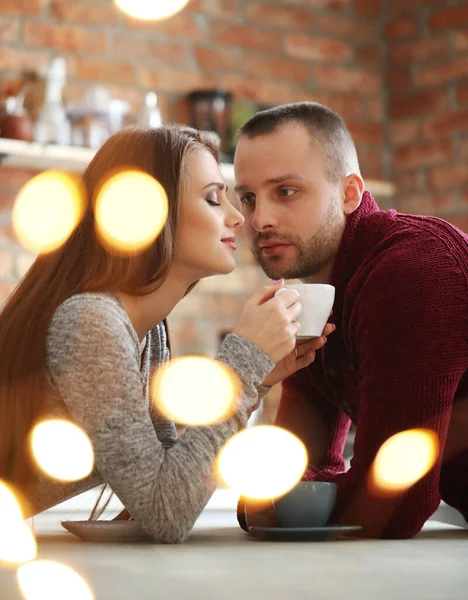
(397, 360)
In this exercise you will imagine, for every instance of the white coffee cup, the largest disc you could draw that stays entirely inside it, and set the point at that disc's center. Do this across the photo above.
(317, 301)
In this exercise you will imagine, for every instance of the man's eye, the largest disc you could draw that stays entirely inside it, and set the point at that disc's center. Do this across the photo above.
(247, 198)
(287, 192)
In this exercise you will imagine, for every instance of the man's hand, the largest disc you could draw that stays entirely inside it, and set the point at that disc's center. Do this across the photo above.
(302, 356)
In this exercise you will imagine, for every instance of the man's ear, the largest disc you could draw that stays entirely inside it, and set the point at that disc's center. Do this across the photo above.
(353, 188)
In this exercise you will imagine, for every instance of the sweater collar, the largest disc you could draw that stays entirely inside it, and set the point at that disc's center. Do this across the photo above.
(359, 237)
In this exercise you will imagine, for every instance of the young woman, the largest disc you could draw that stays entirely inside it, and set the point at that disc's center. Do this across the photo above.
(85, 328)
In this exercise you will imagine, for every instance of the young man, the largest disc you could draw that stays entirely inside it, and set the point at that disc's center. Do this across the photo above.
(399, 357)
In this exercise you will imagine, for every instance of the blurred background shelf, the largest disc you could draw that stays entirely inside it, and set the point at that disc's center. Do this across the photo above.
(27, 155)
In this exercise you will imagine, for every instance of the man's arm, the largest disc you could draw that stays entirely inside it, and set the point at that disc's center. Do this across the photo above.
(321, 426)
(411, 337)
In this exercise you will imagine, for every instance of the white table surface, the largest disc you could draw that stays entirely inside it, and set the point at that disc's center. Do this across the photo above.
(220, 561)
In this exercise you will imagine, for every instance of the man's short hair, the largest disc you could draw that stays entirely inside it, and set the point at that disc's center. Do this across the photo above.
(326, 127)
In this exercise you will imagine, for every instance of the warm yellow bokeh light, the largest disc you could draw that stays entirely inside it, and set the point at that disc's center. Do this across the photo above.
(48, 580)
(10, 509)
(263, 462)
(151, 9)
(62, 450)
(404, 459)
(194, 390)
(17, 543)
(131, 209)
(47, 210)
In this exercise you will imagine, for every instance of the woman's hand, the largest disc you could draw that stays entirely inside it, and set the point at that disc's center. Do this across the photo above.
(302, 356)
(269, 321)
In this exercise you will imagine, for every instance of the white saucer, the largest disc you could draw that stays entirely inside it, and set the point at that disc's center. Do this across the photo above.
(108, 531)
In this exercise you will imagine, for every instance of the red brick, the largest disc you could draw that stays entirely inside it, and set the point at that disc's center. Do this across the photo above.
(460, 41)
(400, 79)
(462, 93)
(443, 72)
(7, 199)
(431, 204)
(289, 17)
(76, 11)
(347, 79)
(418, 103)
(5, 290)
(263, 92)
(222, 9)
(135, 46)
(418, 51)
(64, 37)
(368, 8)
(9, 30)
(15, 178)
(460, 221)
(463, 150)
(277, 68)
(103, 71)
(371, 162)
(245, 37)
(346, 105)
(447, 124)
(373, 109)
(184, 25)
(451, 17)
(307, 48)
(171, 80)
(369, 57)
(398, 7)
(215, 59)
(22, 60)
(405, 132)
(409, 182)
(366, 133)
(331, 5)
(23, 7)
(404, 27)
(422, 154)
(451, 176)
(347, 27)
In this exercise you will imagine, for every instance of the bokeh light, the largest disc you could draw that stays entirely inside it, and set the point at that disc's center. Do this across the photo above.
(47, 210)
(151, 9)
(194, 390)
(62, 450)
(262, 462)
(10, 509)
(404, 459)
(17, 543)
(130, 211)
(48, 580)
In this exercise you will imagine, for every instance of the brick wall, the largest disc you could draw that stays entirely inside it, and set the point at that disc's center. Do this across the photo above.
(397, 70)
(428, 106)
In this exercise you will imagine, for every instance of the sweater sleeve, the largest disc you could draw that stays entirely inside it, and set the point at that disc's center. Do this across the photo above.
(94, 363)
(410, 336)
(320, 425)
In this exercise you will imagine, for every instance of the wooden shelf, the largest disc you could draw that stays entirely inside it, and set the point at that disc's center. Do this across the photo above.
(26, 155)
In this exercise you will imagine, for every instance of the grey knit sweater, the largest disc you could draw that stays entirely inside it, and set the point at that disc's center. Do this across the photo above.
(99, 380)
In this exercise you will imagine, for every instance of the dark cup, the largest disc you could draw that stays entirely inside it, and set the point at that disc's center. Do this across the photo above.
(309, 504)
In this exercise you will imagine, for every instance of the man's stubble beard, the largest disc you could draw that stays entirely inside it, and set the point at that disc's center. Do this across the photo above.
(314, 255)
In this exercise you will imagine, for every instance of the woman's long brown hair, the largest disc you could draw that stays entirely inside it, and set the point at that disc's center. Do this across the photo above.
(83, 265)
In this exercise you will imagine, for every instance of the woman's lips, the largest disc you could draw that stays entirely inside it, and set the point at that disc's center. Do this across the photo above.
(230, 243)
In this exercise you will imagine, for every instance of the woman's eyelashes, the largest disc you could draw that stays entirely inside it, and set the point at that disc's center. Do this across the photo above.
(212, 199)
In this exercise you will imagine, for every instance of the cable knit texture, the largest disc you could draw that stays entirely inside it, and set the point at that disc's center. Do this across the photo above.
(398, 360)
(99, 380)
